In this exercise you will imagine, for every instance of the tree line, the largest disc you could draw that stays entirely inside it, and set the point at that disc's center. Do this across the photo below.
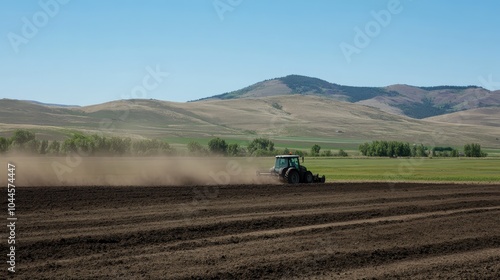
(25, 141)
(257, 147)
(405, 149)
(217, 146)
(315, 151)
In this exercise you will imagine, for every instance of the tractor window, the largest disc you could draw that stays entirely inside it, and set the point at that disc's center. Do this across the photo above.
(280, 163)
(294, 162)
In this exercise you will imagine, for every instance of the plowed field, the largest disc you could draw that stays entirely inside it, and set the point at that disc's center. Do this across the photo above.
(324, 231)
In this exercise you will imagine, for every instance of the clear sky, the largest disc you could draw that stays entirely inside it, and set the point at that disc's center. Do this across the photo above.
(90, 51)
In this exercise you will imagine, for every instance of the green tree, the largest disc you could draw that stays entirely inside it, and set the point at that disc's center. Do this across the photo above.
(69, 145)
(364, 149)
(233, 149)
(4, 144)
(101, 144)
(120, 146)
(315, 150)
(217, 146)
(142, 147)
(24, 140)
(260, 144)
(382, 148)
(468, 150)
(473, 150)
(391, 149)
(406, 150)
(420, 151)
(78, 143)
(54, 147)
(21, 137)
(44, 144)
(196, 148)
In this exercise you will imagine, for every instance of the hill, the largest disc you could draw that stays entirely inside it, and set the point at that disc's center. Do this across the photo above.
(52, 104)
(304, 118)
(296, 84)
(411, 101)
(481, 116)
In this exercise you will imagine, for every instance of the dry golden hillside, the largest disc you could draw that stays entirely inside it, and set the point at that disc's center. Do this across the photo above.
(276, 116)
(481, 116)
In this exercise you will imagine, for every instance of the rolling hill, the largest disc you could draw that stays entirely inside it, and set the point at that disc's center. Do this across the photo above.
(276, 117)
(411, 101)
(482, 116)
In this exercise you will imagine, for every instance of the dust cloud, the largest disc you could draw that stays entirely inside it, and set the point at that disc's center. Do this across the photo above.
(75, 170)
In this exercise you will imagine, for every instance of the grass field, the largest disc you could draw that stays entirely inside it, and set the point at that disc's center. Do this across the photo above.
(412, 169)
(385, 169)
(492, 152)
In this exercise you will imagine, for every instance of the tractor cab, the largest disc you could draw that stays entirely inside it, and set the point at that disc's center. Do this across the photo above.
(286, 161)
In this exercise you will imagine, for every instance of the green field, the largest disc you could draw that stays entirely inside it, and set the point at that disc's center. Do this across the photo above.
(414, 169)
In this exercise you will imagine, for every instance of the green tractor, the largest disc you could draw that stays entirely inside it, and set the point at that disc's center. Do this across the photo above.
(288, 169)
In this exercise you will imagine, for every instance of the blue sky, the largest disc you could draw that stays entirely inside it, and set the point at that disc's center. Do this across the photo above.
(88, 52)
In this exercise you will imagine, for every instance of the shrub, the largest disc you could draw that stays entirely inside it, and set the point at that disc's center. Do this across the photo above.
(315, 150)
(196, 148)
(277, 106)
(326, 153)
(342, 153)
(217, 146)
(4, 144)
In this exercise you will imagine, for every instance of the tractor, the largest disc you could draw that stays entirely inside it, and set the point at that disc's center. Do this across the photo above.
(288, 169)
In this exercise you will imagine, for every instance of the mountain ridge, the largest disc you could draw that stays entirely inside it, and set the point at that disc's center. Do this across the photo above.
(412, 101)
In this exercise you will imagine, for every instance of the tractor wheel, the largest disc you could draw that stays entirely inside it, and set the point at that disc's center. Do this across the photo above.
(308, 177)
(292, 176)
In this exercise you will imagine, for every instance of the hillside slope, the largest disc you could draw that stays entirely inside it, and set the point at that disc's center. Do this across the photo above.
(482, 116)
(415, 102)
(279, 116)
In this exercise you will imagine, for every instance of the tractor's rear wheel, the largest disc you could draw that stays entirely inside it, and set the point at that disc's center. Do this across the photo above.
(308, 177)
(292, 176)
